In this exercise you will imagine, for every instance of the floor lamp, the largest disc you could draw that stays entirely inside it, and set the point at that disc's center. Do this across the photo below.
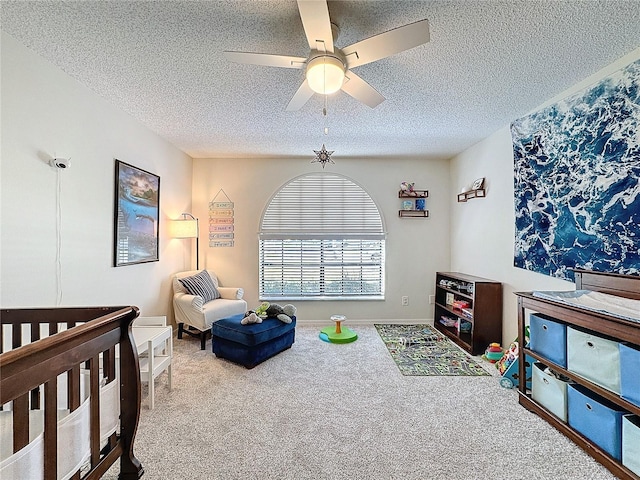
(187, 227)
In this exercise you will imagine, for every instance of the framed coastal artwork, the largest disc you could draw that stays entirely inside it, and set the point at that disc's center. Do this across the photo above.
(136, 215)
(576, 181)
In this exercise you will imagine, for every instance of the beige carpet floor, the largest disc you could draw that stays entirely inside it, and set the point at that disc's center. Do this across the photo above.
(326, 411)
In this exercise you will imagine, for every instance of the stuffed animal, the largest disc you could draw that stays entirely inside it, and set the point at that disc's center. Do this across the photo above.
(250, 317)
(261, 311)
(282, 313)
(257, 315)
(267, 310)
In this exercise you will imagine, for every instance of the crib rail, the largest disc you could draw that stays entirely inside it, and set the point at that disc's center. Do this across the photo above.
(47, 343)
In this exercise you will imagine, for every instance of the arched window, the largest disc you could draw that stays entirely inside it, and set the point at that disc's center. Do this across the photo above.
(321, 237)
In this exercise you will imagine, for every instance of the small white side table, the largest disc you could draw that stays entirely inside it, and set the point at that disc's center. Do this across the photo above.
(157, 342)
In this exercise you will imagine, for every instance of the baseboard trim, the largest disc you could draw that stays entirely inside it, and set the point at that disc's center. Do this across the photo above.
(361, 321)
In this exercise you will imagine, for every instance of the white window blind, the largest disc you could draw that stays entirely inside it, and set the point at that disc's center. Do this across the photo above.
(321, 236)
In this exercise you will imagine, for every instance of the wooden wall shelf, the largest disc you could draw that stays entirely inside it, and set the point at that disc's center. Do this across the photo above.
(464, 196)
(414, 195)
(413, 213)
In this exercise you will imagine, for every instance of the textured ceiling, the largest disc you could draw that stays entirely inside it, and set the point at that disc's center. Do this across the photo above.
(488, 63)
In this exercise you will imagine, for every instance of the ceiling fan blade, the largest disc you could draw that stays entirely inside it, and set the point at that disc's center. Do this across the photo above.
(317, 25)
(301, 97)
(387, 44)
(266, 59)
(361, 90)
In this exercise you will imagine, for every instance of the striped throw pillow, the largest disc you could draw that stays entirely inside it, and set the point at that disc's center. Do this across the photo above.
(201, 285)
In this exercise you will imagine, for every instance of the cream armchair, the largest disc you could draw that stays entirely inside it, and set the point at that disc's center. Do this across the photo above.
(193, 311)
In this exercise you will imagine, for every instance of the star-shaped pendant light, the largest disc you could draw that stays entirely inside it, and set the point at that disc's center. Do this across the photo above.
(323, 156)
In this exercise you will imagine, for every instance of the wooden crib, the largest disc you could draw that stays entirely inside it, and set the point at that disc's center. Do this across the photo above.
(70, 393)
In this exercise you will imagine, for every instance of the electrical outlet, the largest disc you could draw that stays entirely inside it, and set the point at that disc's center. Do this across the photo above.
(405, 301)
(432, 299)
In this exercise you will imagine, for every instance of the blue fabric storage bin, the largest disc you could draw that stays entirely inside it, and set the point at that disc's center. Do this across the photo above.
(594, 357)
(629, 373)
(548, 337)
(596, 418)
(549, 391)
(631, 443)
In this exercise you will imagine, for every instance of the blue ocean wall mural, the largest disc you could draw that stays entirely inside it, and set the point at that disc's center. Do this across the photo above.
(577, 181)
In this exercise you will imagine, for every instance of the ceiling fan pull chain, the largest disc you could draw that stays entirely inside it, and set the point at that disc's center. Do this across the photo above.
(324, 112)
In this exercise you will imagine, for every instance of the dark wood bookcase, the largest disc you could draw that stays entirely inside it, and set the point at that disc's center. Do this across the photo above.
(484, 312)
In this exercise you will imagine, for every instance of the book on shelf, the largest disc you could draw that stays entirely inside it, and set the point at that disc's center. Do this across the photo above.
(460, 304)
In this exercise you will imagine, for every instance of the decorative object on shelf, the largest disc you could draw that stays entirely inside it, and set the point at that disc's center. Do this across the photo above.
(449, 298)
(478, 184)
(416, 205)
(323, 156)
(135, 230)
(187, 227)
(221, 217)
(406, 187)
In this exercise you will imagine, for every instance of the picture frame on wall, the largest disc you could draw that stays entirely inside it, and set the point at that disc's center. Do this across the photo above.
(136, 215)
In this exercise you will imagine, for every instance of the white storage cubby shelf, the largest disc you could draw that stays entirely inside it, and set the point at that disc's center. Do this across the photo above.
(600, 325)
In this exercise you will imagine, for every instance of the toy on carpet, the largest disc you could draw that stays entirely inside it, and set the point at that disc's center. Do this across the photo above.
(338, 333)
(269, 310)
(509, 365)
(509, 356)
(493, 353)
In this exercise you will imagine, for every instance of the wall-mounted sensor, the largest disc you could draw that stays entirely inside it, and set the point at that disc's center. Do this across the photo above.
(60, 162)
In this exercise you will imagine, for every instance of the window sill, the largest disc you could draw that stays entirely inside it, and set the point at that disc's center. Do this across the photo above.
(321, 299)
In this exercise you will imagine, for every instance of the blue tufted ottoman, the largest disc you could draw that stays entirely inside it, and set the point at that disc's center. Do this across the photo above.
(251, 344)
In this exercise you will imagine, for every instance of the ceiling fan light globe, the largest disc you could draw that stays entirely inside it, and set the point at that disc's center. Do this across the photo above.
(325, 74)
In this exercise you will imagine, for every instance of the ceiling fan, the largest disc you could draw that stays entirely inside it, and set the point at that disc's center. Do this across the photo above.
(328, 68)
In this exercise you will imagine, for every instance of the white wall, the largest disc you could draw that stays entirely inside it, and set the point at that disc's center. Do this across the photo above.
(46, 113)
(416, 248)
(483, 230)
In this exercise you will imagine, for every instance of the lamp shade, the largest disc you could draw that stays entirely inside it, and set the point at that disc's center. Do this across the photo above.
(325, 74)
(186, 228)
